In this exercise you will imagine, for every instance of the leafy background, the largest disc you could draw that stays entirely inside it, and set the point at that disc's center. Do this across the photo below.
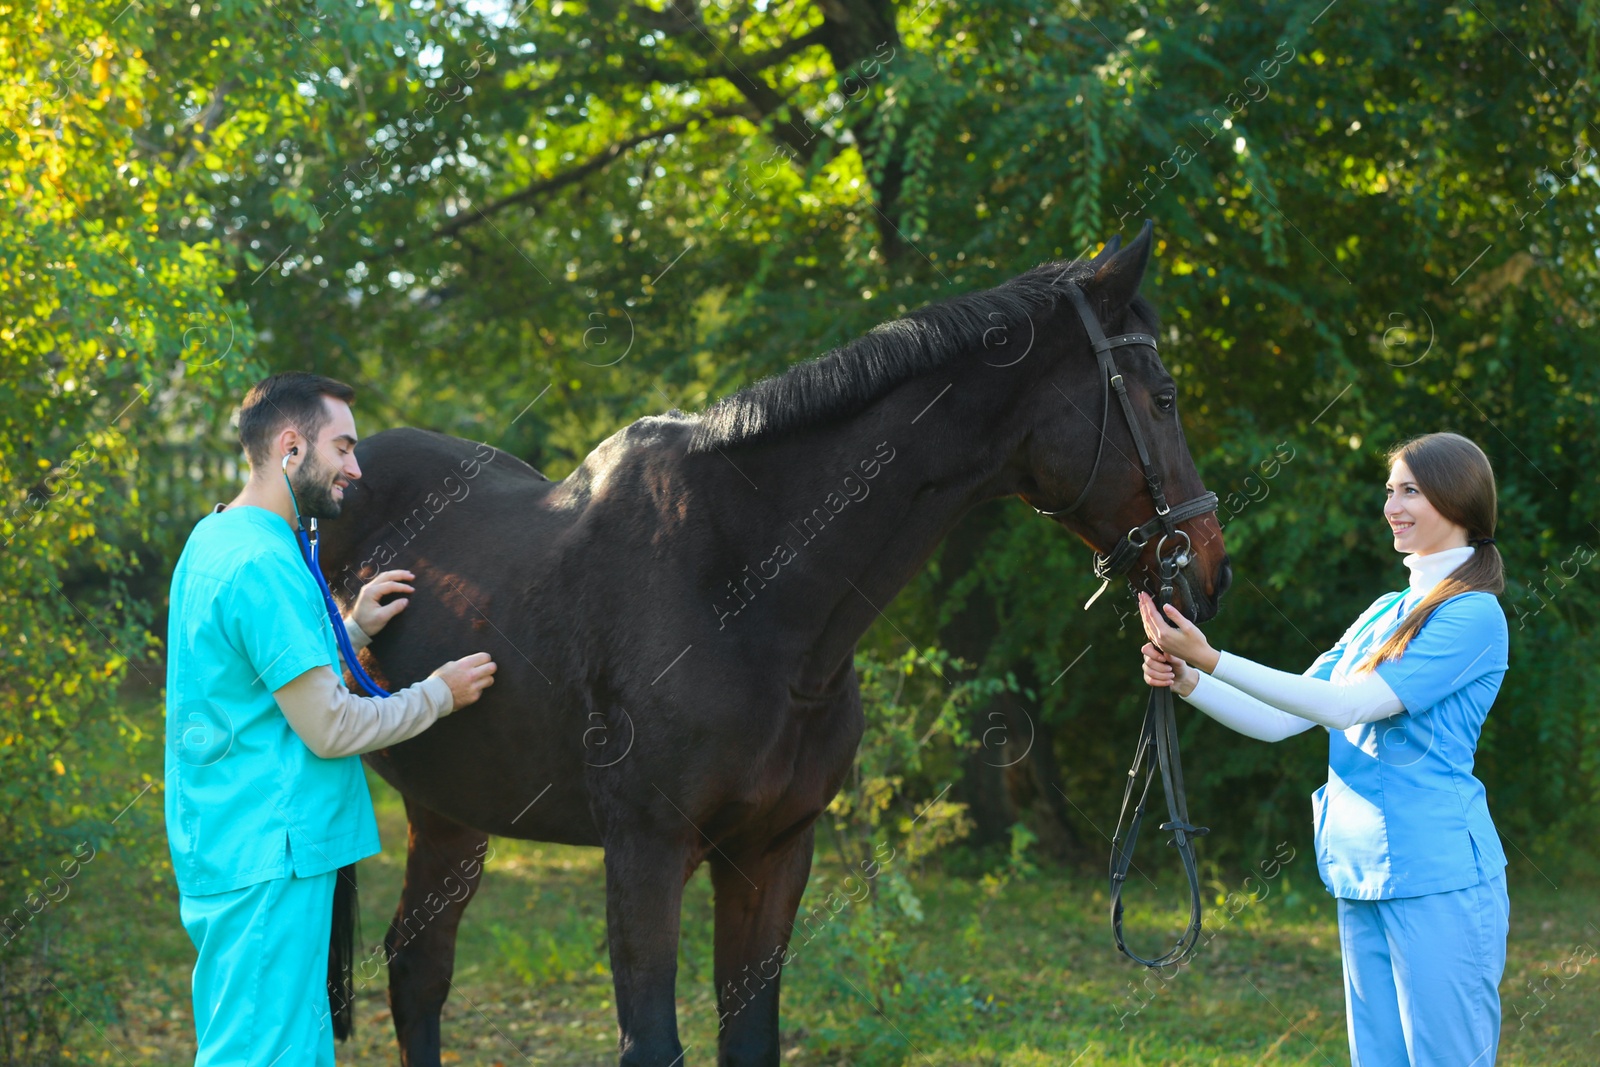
(533, 223)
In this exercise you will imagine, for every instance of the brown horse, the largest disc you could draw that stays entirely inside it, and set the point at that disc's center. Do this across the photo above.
(675, 622)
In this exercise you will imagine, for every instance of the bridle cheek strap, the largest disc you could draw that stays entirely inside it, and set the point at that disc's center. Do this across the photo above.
(1126, 552)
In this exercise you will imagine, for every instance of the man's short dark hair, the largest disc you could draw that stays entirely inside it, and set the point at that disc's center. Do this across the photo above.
(293, 398)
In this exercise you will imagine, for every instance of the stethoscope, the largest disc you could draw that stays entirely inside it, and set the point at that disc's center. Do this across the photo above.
(309, 552)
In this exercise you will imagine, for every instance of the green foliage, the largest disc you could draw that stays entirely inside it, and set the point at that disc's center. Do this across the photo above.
(103, 312)
(876, 993)
(558, 948)
(914, 726)
(869, 918)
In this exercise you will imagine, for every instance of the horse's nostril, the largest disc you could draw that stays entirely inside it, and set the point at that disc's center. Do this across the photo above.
(1224, 578)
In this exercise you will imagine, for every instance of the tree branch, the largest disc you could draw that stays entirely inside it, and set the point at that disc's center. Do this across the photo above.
(678, 16)
(740, 69)
(794, 46)
(593, 164)
(205, 121)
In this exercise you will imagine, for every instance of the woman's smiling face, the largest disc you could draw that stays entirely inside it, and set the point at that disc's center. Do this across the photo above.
(1416, 525)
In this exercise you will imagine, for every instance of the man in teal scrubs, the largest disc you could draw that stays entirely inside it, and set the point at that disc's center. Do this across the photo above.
(257, 823)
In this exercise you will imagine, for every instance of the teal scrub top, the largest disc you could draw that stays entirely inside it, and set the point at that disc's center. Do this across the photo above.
(244, 794)
(1402, 811)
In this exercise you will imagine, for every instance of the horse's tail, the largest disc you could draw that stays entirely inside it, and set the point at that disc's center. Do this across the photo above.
(342, 953)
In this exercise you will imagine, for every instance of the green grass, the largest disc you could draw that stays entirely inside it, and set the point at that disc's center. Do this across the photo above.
(1023, 976)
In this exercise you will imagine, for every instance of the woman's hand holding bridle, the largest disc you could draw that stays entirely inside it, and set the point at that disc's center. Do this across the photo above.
(1163, 669)
(1182, 639)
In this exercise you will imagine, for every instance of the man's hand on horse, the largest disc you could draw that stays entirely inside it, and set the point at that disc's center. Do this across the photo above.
(1176, 635)
(372, 616)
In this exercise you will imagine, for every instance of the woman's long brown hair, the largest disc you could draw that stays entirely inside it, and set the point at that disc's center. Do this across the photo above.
(1456, 478)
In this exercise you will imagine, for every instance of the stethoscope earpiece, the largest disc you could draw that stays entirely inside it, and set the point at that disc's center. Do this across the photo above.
(293, 451)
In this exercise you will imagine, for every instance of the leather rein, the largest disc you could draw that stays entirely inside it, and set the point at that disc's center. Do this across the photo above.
(1158, 737)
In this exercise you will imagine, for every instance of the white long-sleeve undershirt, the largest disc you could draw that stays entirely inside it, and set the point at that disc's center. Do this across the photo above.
(334, 722)
(1271, 705)
(1337, 705)
(1243, 713)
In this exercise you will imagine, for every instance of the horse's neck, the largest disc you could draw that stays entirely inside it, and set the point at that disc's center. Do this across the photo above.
(860, 506)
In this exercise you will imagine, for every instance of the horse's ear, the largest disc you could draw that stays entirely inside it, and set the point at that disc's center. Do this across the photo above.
(1117, 279)
(1108, 251)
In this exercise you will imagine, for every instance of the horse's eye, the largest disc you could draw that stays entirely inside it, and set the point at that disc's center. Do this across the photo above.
(1165, 401)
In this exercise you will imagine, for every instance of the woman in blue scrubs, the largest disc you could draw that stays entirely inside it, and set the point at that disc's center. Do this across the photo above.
(1404, 840)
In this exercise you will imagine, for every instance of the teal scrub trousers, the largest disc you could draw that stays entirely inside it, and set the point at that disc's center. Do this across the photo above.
(261, 979)
(1422, 975)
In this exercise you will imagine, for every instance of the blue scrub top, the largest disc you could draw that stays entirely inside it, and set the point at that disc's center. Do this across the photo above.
(1402, 811)
(244, 793)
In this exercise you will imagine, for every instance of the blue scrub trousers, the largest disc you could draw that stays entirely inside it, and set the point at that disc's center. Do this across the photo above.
(260, 982)
(1422, 975)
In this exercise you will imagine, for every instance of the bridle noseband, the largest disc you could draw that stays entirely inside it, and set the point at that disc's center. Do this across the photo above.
(1158, 737)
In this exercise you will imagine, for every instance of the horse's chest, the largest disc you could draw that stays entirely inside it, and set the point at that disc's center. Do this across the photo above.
(802, 758)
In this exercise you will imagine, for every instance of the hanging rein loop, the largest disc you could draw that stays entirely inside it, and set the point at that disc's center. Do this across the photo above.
(1158, 737)
(1159, 733)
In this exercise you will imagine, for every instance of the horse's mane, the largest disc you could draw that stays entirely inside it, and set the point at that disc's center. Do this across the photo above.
(845, 380)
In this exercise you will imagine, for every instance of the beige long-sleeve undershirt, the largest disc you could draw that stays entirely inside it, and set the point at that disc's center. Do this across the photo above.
(334, 722)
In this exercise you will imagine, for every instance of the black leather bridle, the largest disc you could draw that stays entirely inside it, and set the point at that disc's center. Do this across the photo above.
(1125, 553)
(1159, 732)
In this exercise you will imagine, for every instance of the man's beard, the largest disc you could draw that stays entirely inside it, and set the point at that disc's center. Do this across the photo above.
(312, 482)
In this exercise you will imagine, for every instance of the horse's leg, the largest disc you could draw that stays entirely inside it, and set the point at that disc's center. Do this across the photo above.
(444, 861)
(757, 894)
(645, 875)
